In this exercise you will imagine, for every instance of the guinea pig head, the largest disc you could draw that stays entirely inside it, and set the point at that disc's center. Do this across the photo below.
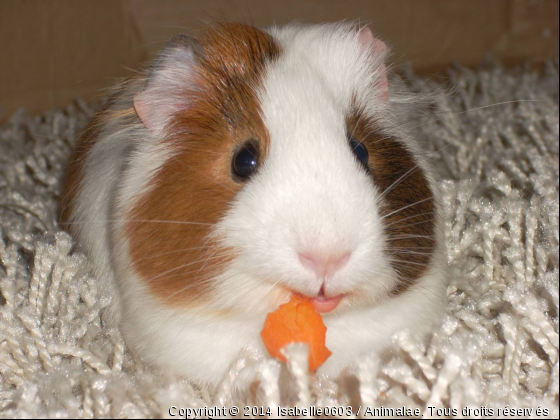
(281, 174)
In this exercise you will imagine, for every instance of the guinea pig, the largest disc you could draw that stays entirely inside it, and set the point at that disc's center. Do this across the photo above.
(248, 165)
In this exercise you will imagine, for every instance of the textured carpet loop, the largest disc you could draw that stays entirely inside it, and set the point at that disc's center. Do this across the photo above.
(269, 376)
(409, 345)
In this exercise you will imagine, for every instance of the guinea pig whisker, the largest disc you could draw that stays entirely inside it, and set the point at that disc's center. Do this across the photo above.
(211, 257)
(178, 268)
(395, 226)
(442, 113)
(370, 271)
(185, 275)
(419, 288)
(398, 181)
(190, 285)
(187, 287)
(408, 247)
(406, 207)
(412, 217)
(357, 124)
(396, 260)
(411, 171)
(174, 252)
(411, 236)
(405, 252)
(418, 267)
(381, 139)
(517, 101)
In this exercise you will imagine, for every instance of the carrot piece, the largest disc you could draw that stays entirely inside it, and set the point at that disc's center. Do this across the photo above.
(296, 322)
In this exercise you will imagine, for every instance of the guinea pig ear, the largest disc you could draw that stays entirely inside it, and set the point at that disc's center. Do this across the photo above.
(168, 84)
(376, 47)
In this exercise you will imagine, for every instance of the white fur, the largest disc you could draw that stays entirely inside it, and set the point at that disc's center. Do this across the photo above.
(310, 194)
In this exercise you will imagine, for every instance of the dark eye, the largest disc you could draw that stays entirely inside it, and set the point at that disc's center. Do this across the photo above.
(245, 161)
(360, 151)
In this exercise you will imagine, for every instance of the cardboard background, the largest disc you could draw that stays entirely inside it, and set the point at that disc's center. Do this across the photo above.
(55, 50)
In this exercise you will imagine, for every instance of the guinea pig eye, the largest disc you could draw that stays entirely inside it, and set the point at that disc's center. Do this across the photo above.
(360, 151)
(245, 161)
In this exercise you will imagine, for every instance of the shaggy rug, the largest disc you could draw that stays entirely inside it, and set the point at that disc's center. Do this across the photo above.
(493, 136)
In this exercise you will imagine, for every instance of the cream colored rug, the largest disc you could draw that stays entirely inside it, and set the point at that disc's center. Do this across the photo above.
(495, 142)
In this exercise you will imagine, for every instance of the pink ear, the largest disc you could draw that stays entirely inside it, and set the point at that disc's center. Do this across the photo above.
(143, 110)
(155, 112)
(167, 87)
(376, 47)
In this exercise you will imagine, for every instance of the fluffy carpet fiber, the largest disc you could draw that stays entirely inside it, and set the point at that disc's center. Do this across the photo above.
(494, 139)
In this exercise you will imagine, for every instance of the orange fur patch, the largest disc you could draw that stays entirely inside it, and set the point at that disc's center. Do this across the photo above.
(194, 187)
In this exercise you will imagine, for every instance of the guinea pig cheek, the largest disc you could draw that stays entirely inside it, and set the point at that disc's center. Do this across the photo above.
(407, 205)
(174, 244)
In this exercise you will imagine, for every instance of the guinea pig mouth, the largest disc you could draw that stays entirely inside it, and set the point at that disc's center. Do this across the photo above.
(324, 304)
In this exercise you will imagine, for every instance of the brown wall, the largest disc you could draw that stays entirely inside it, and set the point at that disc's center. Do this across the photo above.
(54, 50)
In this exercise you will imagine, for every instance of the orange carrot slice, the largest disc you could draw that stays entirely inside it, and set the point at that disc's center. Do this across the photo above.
(296, 322)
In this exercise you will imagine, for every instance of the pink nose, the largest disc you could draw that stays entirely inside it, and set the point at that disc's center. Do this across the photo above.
(324, 265)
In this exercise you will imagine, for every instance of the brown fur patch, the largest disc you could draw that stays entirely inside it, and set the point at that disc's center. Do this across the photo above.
(195, 185)
(408, 205)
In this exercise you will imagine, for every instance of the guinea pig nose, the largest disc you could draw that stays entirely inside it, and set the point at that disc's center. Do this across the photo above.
(324, 265)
